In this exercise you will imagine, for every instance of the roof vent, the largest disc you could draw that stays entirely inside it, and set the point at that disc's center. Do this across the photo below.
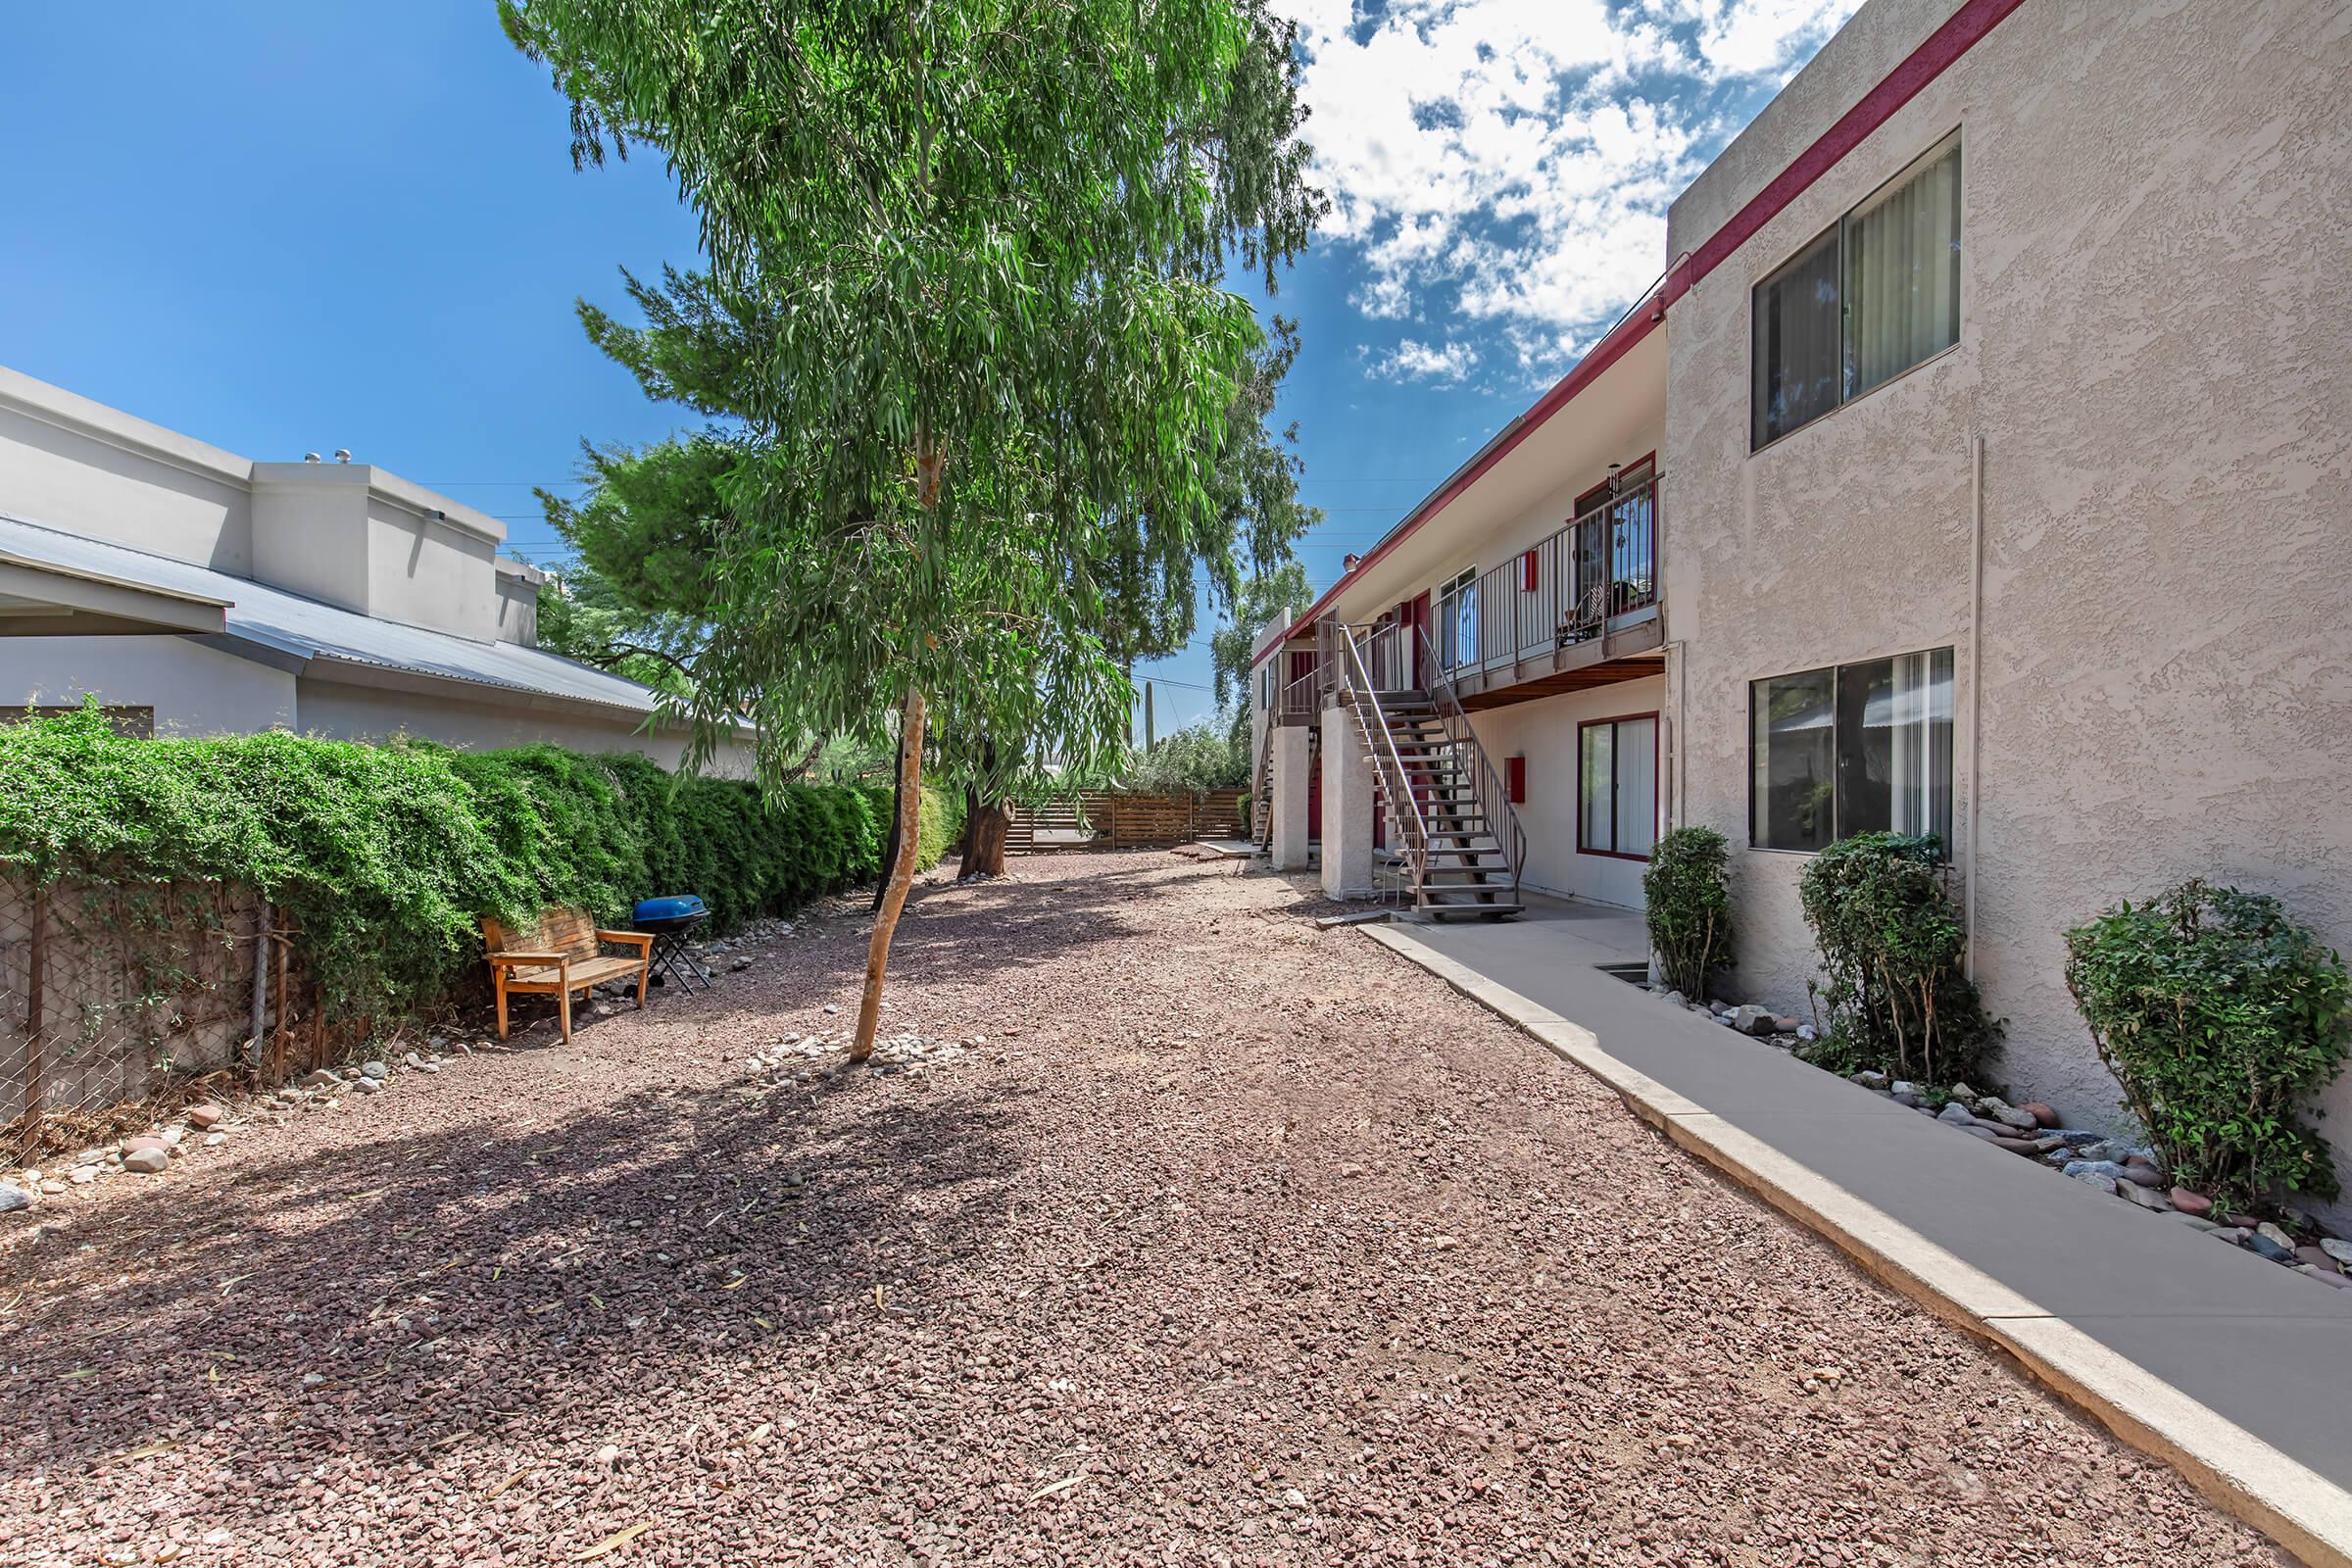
(1347, 562)
(342, 454)
(310, 457)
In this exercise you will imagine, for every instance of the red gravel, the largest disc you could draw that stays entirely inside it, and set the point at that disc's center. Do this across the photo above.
(1239, 1242)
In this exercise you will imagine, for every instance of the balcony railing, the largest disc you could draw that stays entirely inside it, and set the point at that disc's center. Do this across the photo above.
(1565, 590)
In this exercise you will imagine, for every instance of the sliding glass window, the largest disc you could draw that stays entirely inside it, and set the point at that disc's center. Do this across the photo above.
(1853, 749)
(1863, 303)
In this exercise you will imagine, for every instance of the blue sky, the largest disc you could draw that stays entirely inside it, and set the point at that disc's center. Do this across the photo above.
(288, 227)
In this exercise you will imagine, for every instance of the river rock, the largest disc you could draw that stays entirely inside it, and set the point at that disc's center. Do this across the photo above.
(2147, 1197)
(2189, 1202)
(2340, 1250)
(2259, 1242)
(147, 1161)
(204, 1118)
(2095, 1167)
(1751, 1019)
(2043, 1115)
(2091, 1178)
(1872, 1080)
(13, 1197)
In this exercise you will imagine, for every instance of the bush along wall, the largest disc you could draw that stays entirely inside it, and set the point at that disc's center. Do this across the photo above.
(384, 858)
(2223, 1019)
(1891, 949)
(1688, 904)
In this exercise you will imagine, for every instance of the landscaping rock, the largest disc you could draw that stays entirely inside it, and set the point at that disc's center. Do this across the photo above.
(2017, 1117)
(83, 1175)
(2195, 1222)
(367, 1085)
(2231, 1234)
(2095, 1167)
(2315, 1258)
(1872, 1080)
(2189, 1202)
(1702, 1008)
(2091, 1178)
(2244, 1222)
(2043, 1115)
(146, 1144)
(147, 1161)
(1808, 1033)
(377, 1070)
(2140, 1171)
(2340, 1250)
(13, 1197)
(2272, 1250)
(1986, 1134)
(1751, 1019)
(214, 1140)
(204, 1118)
(1957, 1114)
(1674, 998)
(320, 1078)
(2276, 1235)
(1962, 1091)
(2326, 1276)
(1903, 1098)
(2147, 1197)
(2016, 1145)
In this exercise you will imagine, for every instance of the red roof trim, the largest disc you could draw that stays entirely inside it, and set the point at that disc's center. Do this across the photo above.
(1608, 351)
(1960, 32)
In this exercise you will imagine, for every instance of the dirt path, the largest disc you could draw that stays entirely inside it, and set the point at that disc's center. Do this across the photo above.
(1235, 1242)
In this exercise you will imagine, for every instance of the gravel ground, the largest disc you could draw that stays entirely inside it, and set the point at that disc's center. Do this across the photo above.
(1234, 1242)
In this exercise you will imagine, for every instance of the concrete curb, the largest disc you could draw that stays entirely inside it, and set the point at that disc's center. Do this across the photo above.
(2296, 1507)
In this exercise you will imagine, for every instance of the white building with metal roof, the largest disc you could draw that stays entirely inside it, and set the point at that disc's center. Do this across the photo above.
(195, 592)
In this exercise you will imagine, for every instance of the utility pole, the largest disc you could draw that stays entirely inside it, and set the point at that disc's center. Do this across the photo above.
(1149, 736)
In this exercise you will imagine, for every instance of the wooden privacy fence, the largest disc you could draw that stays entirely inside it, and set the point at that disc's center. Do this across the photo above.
(1117, 819)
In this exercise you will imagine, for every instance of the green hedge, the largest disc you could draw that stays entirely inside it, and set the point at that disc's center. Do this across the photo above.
(385, 857)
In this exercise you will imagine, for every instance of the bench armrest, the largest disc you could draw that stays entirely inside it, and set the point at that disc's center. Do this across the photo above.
(641, 940)
(528, 958)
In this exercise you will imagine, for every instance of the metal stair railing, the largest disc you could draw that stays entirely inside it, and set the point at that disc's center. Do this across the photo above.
(1261, 790)
(1404, 807)
(1486, 787)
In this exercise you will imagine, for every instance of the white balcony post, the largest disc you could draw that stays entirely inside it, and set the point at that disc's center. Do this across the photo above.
(1347, 782)
(1291, 784)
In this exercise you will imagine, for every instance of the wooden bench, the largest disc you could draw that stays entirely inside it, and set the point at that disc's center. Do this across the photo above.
(559, 954)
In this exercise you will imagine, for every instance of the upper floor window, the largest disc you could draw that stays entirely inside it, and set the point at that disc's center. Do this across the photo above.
(1863, 303)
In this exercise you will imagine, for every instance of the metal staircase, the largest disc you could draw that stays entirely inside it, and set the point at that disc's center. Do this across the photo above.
(1261, 793)
(1449, 816)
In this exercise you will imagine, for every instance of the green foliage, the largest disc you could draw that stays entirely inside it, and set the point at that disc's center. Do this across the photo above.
(1893, 945)
(385, 857)
(2221, 1018)
(966, 314)
(1199, 756)
(1689, 900)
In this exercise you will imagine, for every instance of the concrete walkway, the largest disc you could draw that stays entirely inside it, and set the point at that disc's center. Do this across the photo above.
(2256, 1344)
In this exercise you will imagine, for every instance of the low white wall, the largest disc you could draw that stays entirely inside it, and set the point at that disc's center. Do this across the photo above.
(1544, 732)
(193, 689)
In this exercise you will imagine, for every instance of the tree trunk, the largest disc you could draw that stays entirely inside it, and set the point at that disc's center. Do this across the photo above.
(983, 826)
(901, 872)
(981, 852)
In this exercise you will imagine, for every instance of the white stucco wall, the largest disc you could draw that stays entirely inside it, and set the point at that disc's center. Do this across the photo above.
(1544, 732)
(71, 463)
(194, 690)
(2156, 352)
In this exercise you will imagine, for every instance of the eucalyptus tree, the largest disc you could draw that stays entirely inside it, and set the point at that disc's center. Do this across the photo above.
(992, 238)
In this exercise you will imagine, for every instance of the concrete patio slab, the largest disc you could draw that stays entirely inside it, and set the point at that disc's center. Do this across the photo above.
(2236, 1370)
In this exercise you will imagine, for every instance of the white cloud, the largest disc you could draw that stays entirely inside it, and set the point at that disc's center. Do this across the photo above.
(1505, 166)
(1410, 360)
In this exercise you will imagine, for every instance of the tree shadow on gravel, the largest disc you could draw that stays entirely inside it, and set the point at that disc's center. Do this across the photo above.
(395, 1295)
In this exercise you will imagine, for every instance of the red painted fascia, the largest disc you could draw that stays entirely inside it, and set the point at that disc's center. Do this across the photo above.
(1608, 351)
(1960, 32)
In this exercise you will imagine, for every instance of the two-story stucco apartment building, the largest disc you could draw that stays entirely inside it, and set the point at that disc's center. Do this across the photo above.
(195, 592)
(1982, 466)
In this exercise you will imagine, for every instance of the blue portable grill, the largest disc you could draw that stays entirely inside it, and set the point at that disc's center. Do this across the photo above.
(671, 921)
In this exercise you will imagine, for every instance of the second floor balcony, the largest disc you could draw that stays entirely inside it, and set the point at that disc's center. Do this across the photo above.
(1558, 616)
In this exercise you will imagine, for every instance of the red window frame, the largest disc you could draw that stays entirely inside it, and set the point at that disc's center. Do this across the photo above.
(1656, 730)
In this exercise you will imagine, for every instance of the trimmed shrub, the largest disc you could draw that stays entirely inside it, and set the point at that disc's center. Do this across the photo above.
(2221, 1018)
(384, 858)
(1891, 945)
(1688, 894)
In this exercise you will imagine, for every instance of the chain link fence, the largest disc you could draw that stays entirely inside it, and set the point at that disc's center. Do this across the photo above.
(118, 1001)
